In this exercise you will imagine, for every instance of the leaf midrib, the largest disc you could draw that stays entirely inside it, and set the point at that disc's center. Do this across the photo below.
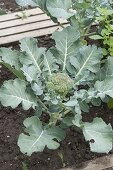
(37, 139)
(32, 56)
(22, 99)
(84, 63)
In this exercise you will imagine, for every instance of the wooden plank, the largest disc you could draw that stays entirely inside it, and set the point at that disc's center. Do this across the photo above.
(28, 27)
(31, 12)
(35, 33)
(28, 20)
(97, 164)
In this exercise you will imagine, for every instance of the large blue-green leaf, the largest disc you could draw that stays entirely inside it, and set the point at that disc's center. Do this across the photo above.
(107, 70)
(104, 88)
(14, 92)
(26, 2)
(77, 120)
(78, 102)
(59, 8)
(33, 3)
(49, 63)
(39, 137)
(34, 55)
(65, 43)
(99, 135)
(10, 59)
(32, 75)
(87, 59)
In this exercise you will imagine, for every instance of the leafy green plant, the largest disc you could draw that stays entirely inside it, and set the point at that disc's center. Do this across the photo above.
(49, 80)
(105, 31)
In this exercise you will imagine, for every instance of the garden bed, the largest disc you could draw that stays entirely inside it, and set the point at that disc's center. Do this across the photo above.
(74, 149)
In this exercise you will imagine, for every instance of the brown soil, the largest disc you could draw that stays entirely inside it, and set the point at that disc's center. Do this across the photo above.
(9, 5)
(74, 148)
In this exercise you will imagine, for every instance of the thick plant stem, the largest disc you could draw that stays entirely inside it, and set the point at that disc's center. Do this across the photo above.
(43, 105)
(86, 35)
(67, 111)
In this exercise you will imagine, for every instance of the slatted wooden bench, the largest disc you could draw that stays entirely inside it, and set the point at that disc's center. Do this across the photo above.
(13, 27)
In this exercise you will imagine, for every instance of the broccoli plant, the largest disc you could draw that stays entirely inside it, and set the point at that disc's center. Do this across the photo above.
(48, 81)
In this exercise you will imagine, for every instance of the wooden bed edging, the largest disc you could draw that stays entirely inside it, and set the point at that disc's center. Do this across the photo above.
(34, 24)
(101, 163)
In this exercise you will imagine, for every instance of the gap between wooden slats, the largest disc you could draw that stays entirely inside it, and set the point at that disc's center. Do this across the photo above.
(35, 33)
(12, 16)
(27, 27)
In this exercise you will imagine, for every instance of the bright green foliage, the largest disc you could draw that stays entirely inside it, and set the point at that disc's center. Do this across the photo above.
(105, 30)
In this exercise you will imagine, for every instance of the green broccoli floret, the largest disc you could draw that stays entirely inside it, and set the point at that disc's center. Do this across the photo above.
(60, 83)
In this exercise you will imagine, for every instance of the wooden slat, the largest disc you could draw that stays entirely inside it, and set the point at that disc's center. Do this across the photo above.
(31, 12)
(13, 28)
(102, 163)
(27, 27)
(35, 33)
(28, 20)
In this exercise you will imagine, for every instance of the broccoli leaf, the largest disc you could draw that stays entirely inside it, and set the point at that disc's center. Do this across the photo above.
(14, 92)
(104, 88)
(59, 8)
(33, 76)
(87, 59)
(26, 2)
(107, 70)
(39, 137)
(49, 63)
(99, 135)
(65, 43)
(10, 57)
(34, 55)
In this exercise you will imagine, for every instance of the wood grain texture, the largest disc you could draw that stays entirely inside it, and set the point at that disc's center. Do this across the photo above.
(12, 16)
(101, 163)
(14, 28)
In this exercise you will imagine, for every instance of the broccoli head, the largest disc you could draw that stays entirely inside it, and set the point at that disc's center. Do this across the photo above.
(60, 83)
